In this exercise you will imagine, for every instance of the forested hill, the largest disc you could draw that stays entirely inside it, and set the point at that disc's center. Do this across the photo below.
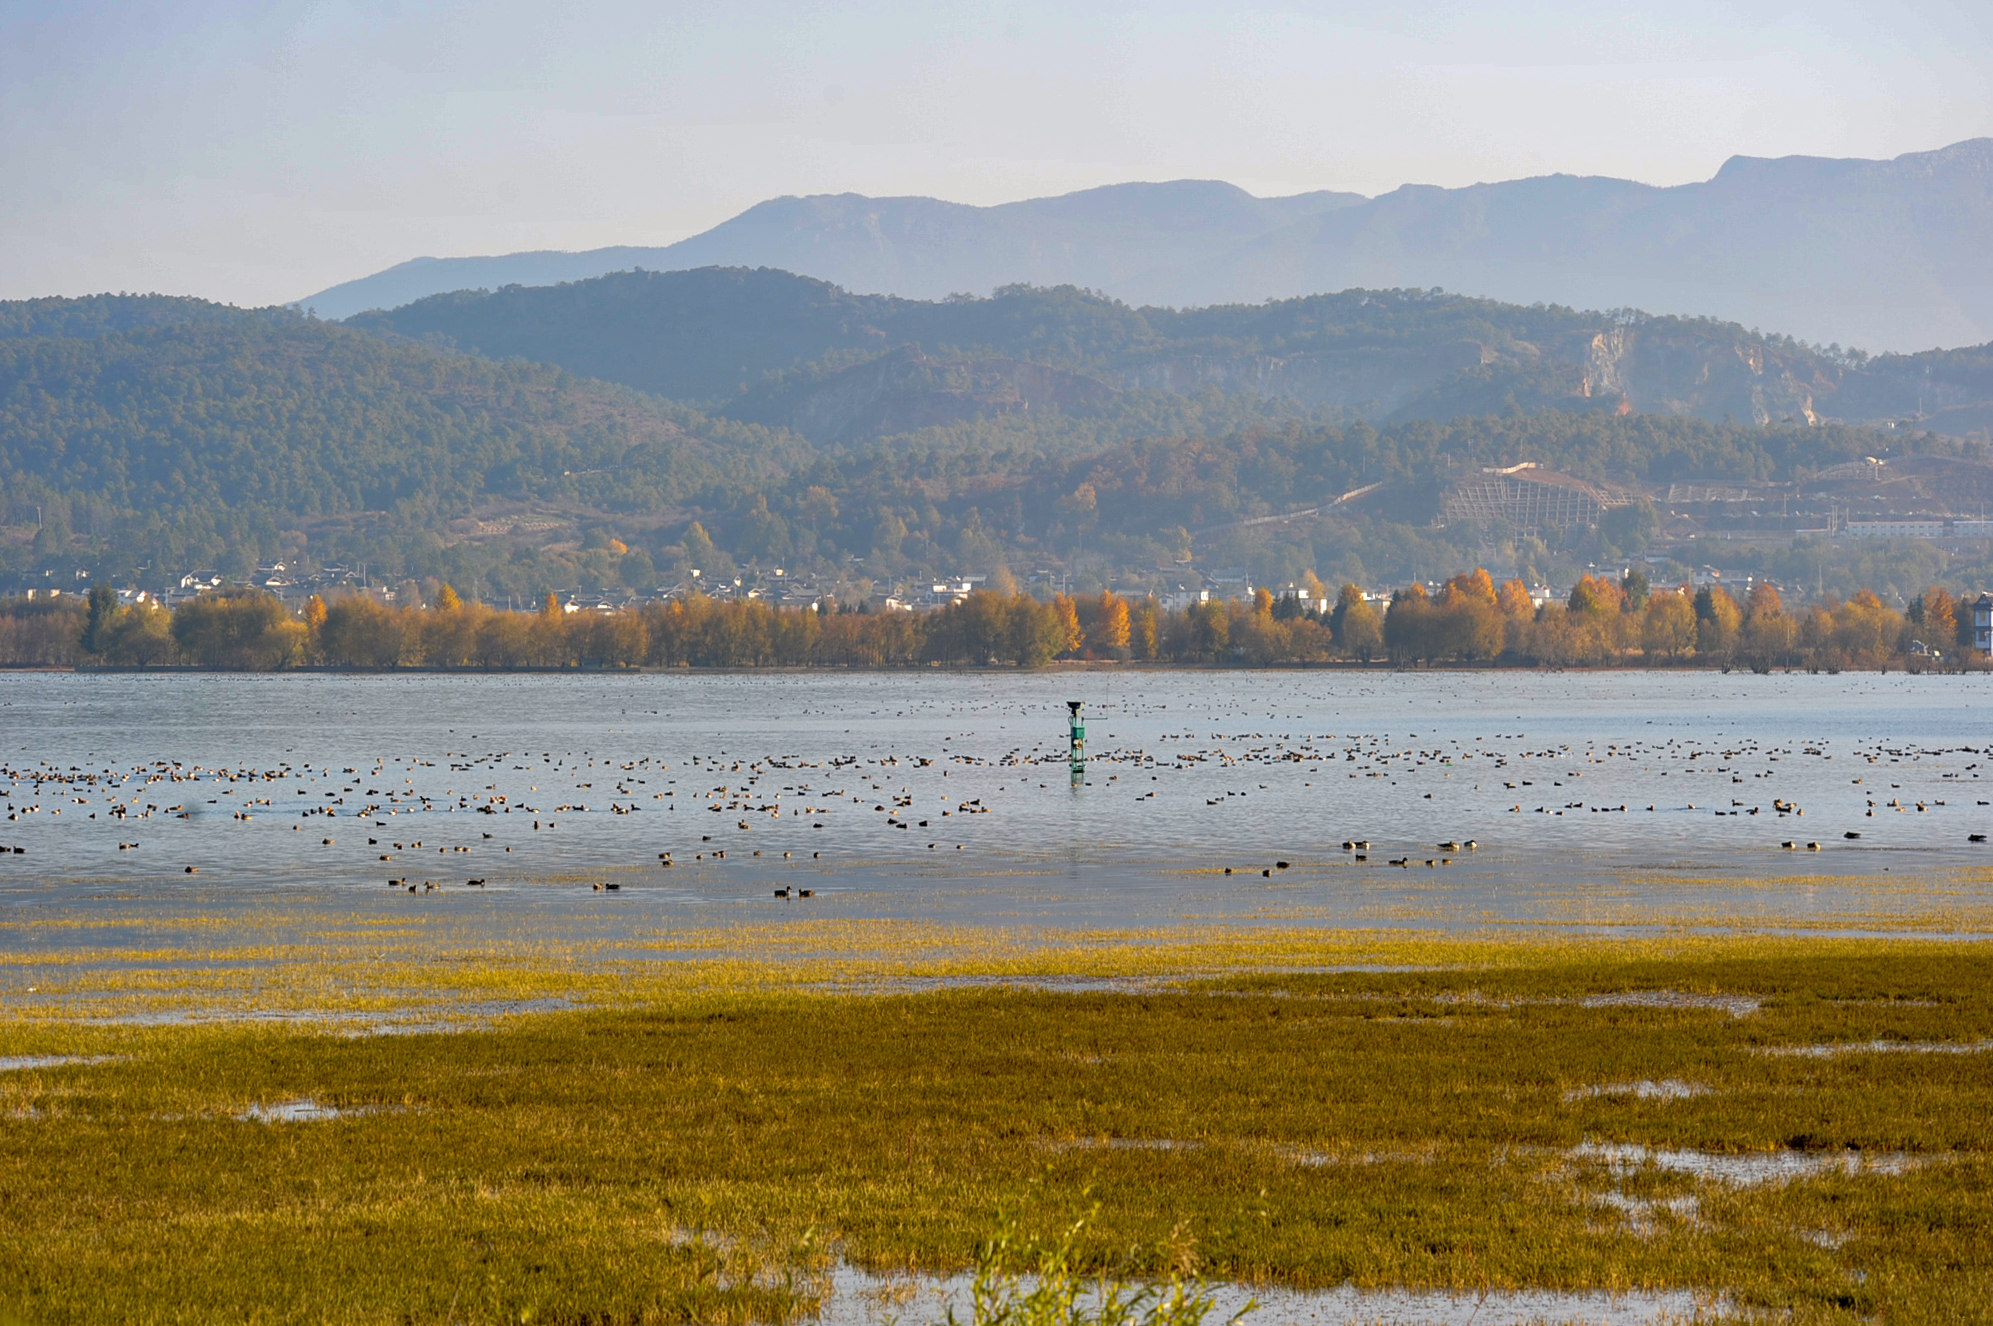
(231, 438)
(775, 347)
(96, 315)
(175, 443)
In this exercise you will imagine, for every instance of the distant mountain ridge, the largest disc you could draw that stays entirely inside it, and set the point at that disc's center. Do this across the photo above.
(920, 248)
(1887, 255)
(787, 350)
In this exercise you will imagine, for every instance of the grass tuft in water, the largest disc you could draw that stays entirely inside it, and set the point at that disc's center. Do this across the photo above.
(1026, 1282)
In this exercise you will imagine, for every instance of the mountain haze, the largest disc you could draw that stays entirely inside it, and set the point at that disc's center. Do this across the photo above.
(1881, 254)
(920, 248)
(1886, 255)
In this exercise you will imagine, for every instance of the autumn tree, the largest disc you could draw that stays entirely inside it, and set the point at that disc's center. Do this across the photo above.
(1939, 618)
(1717, 619)
(1471, 622)
(1518, 612)
(1357, 629)
(1668, 626)
(1142, 632)
(1410, 627)
(1210, 628)
(360, 632)
(1108, 633)
(314, 626)
(1866, 630)
(1037, 632)
(551, 646)
(1769, 634)
(1595, 596)
(238, 629)
(1475, 586)
(141, 636)
(1071, 636)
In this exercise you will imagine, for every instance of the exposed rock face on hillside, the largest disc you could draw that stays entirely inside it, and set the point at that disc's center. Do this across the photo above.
(1701, 374)
(1709, 377)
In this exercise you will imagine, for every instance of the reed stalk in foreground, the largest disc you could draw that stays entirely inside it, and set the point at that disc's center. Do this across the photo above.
(1057, 1292)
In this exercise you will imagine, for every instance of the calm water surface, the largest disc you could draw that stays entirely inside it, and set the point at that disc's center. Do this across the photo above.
(948, 796)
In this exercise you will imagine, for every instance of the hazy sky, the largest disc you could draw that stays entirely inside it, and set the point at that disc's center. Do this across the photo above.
(255, 152)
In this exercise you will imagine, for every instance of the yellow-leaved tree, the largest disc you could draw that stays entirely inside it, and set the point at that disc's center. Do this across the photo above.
(1071, 637)
(1108, 634)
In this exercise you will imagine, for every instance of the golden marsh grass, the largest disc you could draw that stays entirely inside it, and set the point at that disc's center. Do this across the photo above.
(1460, 1113)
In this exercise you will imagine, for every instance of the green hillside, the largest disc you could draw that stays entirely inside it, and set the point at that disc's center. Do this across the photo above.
(757, 342)
(1144, 506)
(711, 335)
(97, 315)
(192, 436)
(225, 440)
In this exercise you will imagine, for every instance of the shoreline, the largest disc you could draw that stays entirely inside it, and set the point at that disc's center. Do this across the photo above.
(1054, 667)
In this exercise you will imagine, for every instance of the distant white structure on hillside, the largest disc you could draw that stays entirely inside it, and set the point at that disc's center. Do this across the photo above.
(1528, 499)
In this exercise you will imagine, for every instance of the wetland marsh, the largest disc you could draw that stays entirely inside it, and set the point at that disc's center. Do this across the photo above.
(1604, 1065)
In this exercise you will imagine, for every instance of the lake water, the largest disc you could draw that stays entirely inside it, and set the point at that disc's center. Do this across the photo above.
(1595, 799)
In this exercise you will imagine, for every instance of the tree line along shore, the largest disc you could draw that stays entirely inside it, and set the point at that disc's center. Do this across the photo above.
(1604, 622)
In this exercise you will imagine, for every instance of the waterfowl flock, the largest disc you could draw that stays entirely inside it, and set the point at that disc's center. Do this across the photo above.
(1248, 777)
